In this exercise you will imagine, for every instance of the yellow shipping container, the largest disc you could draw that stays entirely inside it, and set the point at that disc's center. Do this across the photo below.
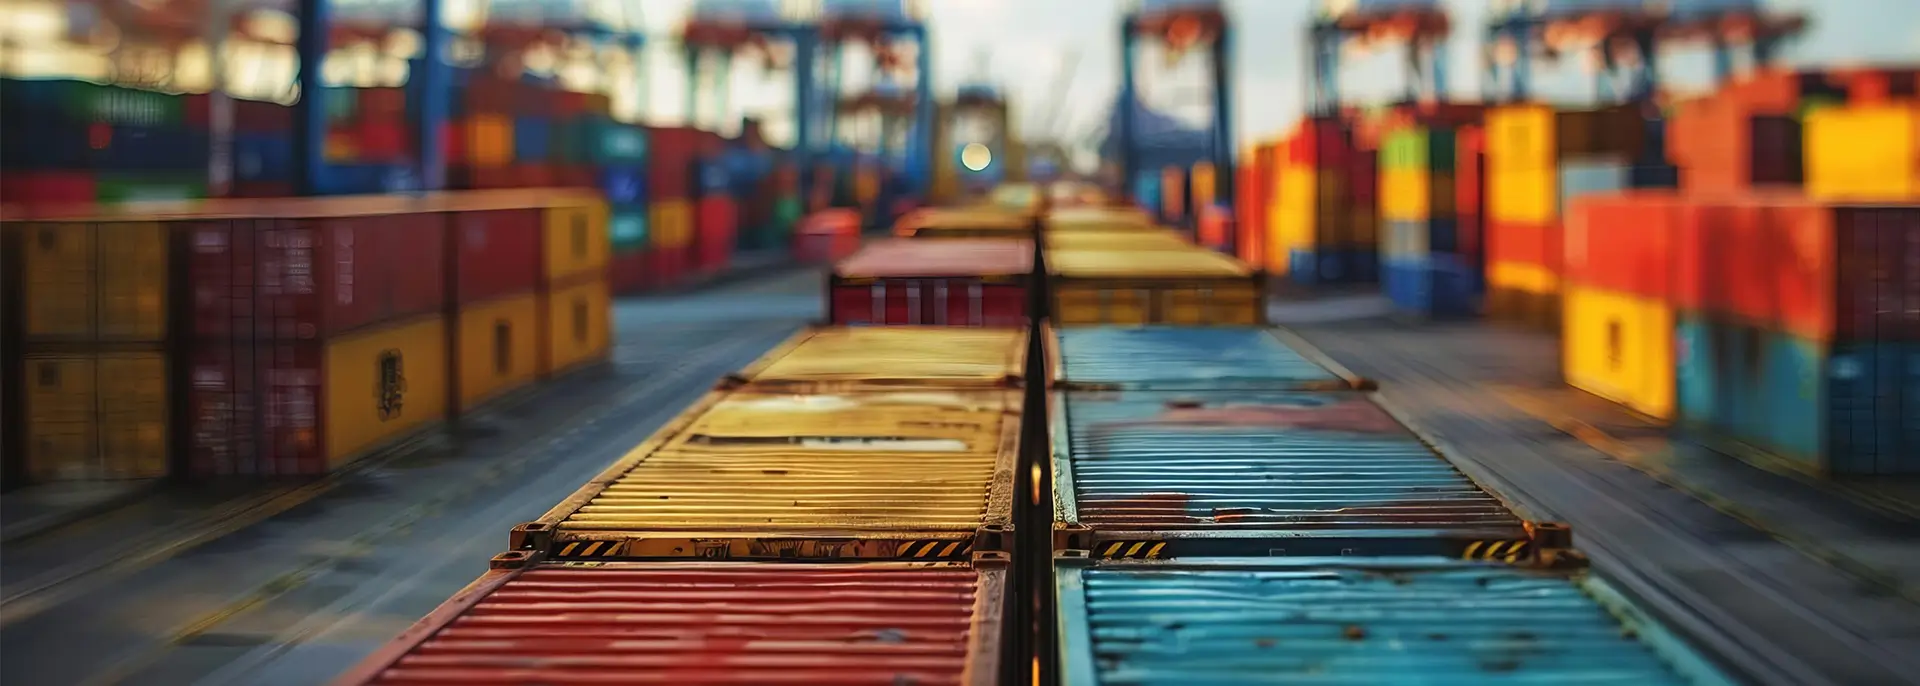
(842, 358)
(1159, 239)
(358, 367)
(576, 240)
(1620, 347)
(489, 140)
(1521, 137)
(578, 326)
(671, 222)
(1527, 196)
(1531, 278)
(92, 416)
(1151, 287)
(498, 349)
(1205, 184)
(102, 281)
(1403, 195)
(1864, 152)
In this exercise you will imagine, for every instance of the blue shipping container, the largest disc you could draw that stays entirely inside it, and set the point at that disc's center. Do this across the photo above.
(1146, 191)
(624, 186)
(1333, 266)
(262, 157)
(1193, 358)
(713, 176)
(1359, 621)
(50, 145)
(1264, 473)
(1437, 286)
(532, 140)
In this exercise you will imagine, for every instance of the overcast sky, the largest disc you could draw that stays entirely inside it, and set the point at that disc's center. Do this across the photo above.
(1029, 39)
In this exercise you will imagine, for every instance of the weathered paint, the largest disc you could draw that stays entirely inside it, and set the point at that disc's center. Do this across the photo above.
(1359, 621)
(1187, 263)
(87, 282)
(983, 257)
(693, 623)
(1264, 473)
(909, 468)
(892, 357)
(95, 415)
(1156, 239)
(381, 383)
(963, 223)
(498, 349)
(1101, 219)
(1204, 358)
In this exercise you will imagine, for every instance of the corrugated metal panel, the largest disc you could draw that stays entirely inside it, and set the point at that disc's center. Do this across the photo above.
(1068, 219)
(861, 475)
(1360, 621)
(1258, 473)
(961, 257)
(694, 623)
(894, 356)
(1181, 264)
(1119, 240)
(1201, 358)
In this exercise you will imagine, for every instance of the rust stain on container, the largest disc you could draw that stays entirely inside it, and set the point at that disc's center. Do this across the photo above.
(842, 357)
(902, 466)
(693, 623)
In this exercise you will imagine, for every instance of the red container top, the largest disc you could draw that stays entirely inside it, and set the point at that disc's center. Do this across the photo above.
(1622, 242)
(496, 253)
(913, 258)
(691, 623)
(313, 278)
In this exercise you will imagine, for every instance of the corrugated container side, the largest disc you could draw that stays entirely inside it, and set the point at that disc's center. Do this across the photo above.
(497, 348)
(257, 410)
(95, 281)
(931, 301)
(381, 383)
(94, 416)
(686, 623)
(1622, 243)
(1346, 620)
(1194, 358)
(918, 474)
(497, 253)
(577, 326)
(313, 278)
(830, 358)
(1619, 345)
(575, 240)
(1153, 474)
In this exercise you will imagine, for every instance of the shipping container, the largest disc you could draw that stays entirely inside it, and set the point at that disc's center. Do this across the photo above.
(578, 325)
(1158, 474)
(316, 276)
(1099, 219)
(1619, 346)
(1435, 285)
(686, 623)
(496, 253)
(1359, 621)
(963, 223)
(716, 231)
(1193, 358)
(1864, 152)
(836, 358)
(1623, 242)
(919, 474)
(977, 282)
(576, 242)
(88, 281)
(497, 348)
(1826, 408)
(46, 187)
(304, 407)
(1194, 286)
(1724, 145)
(631, 272)
(1158, 239)
(94, 415)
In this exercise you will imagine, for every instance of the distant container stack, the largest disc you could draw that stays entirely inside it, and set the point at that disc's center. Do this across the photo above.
(1537, 159)
(262, 163)
(77, 142)
(1430, 254)
(1254, 202)
(1326, 228)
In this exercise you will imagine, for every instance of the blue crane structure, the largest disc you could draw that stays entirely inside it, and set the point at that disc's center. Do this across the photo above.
(1641, 25)
(879, 24)
(1202, 22)
(1421, 24)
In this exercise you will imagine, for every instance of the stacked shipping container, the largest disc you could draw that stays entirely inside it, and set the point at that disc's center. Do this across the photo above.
(77, 142)
(1324, 220)
(1429, 256)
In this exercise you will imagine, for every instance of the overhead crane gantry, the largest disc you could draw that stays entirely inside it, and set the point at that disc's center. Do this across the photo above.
(1421, 25)
(1628, 28)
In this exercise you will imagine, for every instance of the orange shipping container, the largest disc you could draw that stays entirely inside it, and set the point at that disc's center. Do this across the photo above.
(1622, 243)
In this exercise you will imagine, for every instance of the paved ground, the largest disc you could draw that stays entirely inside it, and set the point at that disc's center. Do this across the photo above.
(289, 586)
(1800, 583)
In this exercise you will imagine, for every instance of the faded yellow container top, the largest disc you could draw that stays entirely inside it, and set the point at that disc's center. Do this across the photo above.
(1165, 264)
(894, 356)
(973, 219)
(1158, 239)
(785, 464)
(1099, 219)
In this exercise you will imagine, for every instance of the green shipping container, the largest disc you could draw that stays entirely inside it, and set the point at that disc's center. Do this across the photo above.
(611, 142)
(115, 189)
(569, 142)
(1418, 148)
(786, 214)
(628, 228)
(95, 102)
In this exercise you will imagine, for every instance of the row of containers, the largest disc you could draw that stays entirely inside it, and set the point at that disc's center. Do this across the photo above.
(850, 509)
(685, 203)
(285, 338)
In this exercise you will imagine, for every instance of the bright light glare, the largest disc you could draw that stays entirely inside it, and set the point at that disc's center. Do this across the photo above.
(976, 156)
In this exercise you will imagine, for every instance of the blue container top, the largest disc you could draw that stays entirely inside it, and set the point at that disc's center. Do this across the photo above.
(1302, 463)
(1179, 357)
(1360, 621)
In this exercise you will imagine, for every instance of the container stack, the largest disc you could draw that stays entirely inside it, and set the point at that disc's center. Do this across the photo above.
(629, 227)
(672, 183)
(1618, 296)
(480, 145)
(716, 215)
(263, 164)
(1326, 228)
(1428, 261)
(1537, 159)
(575, 295)
(1253, 202)
(77, 142)
(788, 206)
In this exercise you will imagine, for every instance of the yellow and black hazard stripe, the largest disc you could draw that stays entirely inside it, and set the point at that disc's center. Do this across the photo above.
(1128, 550)
(576, 550)
(944, 549)
(1498, 551)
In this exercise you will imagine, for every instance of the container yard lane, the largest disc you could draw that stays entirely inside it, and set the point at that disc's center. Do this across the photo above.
(292, 587)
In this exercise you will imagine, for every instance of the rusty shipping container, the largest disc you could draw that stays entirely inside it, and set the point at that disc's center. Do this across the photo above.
(896, 357)
(1160, 474)
(315, 276)
(876, 475)
(688, 623)
(965, 282)
(85, 282)
(1193, 286)
(1193, 358)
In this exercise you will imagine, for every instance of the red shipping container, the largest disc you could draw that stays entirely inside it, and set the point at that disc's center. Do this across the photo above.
(197, 111)
(257, 409)
(1470, 170)
(1622, 242)
(1323, 143)
(716, 223)
(257, 116)
(1363, 177)
(716, 623)
(1524, 243)
(568, 105)
(629, 273)
(1844, 272)
(388, 105)
(312, 278)
(491, 95)
(533, 176)
(669, 266)
(496, 252)
(383, 141)
(575, 176)
(963, 282)
(47, 188)
(261, 189)
(1722, 146)
(670, 154)
(1720, 260)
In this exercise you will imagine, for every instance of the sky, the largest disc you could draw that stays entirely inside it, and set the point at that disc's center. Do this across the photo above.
(1028, 40)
